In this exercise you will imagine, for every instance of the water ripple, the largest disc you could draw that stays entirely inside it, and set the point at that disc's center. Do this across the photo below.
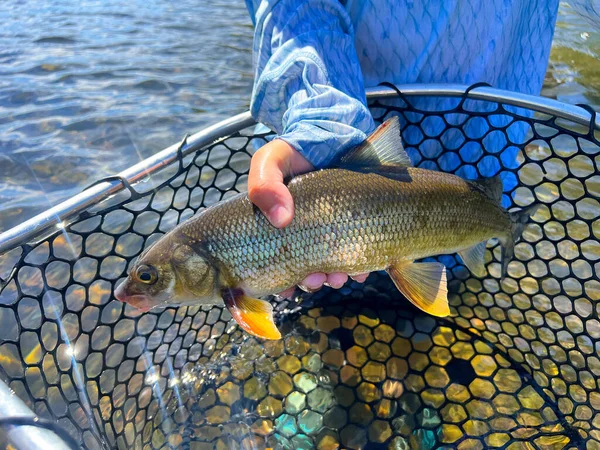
(88, 88)
(55, 40)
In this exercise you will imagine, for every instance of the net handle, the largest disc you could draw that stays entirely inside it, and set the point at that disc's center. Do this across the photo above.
(63, 213)
(18, 433)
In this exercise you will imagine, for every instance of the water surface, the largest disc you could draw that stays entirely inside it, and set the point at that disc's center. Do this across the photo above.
(89, 88)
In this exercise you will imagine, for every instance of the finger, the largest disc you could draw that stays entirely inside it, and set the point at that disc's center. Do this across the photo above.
(268, 168)
(266, 189)
(288, 293)
(336, 280)
(313, 282)
(361, 278)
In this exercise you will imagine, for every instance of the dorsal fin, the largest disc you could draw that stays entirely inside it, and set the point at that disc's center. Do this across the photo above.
(382, 148)
(491, 187)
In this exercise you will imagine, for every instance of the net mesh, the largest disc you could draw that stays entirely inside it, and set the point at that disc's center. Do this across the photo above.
(516, 366)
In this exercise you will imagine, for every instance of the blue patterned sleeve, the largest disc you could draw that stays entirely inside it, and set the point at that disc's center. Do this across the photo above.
(308, 84)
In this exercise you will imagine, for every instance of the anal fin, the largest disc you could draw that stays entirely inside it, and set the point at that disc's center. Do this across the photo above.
(255, 316)
(423, 284)
(474, 259)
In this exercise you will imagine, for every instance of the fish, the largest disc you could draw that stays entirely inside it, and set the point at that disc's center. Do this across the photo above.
(369, 211)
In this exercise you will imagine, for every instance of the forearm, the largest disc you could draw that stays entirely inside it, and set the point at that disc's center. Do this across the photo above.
(308, 83)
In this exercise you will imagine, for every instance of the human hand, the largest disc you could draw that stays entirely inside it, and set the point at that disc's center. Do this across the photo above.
(269, 166)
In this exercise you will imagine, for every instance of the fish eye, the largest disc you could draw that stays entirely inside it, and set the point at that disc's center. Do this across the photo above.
(146, 274)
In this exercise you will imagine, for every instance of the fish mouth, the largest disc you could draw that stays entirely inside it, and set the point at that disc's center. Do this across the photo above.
(140, 302)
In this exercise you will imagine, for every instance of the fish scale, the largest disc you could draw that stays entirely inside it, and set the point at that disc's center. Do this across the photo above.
(347, 221)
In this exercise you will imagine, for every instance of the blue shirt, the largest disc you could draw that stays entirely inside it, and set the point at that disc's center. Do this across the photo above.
(314, 58)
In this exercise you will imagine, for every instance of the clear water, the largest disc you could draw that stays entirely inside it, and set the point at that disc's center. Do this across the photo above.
(89, 88)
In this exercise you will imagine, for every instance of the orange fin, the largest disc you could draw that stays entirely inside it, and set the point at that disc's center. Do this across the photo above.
(253, 315)
(424, 284)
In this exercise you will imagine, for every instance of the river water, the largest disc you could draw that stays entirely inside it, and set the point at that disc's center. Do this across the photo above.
(89, 88)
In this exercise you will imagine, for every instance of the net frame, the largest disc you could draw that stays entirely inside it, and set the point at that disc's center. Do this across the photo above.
(96, 412)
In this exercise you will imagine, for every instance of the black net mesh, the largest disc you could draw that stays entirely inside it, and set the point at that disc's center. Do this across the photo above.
(516, 366)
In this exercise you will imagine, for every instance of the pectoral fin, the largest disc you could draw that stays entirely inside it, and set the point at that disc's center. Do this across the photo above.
(253, 315)
(474, 259)
(424, 285)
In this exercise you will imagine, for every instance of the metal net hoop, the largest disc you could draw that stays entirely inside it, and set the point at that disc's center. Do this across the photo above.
(516, 364)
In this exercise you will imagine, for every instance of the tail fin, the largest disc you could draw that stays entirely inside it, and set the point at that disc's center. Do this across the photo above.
(518, 221)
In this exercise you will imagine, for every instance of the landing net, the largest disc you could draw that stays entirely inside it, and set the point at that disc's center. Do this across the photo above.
(516, 366)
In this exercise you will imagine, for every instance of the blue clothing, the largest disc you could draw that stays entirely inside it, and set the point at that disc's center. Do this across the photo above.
(314, 58)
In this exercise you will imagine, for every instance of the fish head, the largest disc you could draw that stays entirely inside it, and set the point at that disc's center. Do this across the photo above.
(169, 273)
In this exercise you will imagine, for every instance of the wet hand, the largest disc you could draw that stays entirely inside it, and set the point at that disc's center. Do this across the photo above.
(316, 281)
(268, 168)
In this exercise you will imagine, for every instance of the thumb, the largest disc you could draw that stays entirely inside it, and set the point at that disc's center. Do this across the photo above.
(268, 167)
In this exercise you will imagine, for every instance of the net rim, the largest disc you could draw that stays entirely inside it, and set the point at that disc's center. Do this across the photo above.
(70, 209)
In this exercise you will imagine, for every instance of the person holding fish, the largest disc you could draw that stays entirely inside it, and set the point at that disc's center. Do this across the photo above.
(365, 208)
(314, 58)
